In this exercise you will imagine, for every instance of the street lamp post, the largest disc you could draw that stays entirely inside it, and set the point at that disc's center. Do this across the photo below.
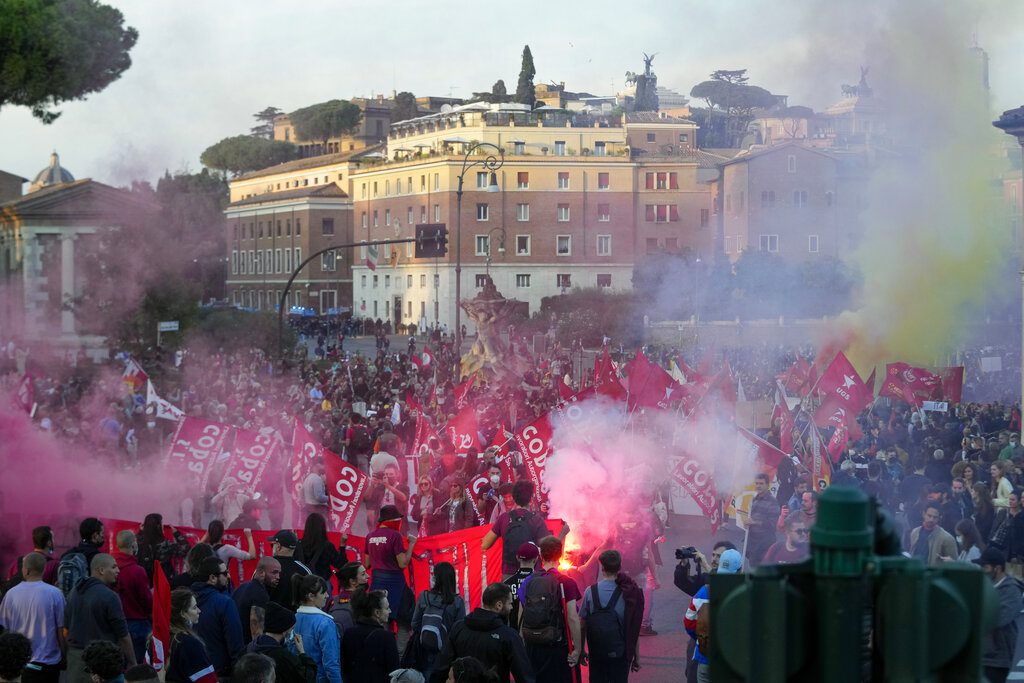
(1012, 123)
(501, 246)
(492, 163)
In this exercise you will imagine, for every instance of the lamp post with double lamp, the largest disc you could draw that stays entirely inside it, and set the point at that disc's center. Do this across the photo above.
(1012, 123)
(492, 161)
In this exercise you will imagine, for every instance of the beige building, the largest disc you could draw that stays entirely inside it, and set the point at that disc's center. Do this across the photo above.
(42, 236)
(792, 199)
(581, 199)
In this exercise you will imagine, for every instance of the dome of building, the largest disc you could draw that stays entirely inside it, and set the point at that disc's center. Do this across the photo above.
(54, 174)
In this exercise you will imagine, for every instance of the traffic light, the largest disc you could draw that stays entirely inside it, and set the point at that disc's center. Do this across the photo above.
(431, 240)
(854, 611)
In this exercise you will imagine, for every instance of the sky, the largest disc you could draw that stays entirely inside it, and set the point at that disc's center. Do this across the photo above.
(201, 69)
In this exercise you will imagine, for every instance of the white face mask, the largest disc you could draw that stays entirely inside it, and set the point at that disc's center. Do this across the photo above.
(960, 540)
(495, 480)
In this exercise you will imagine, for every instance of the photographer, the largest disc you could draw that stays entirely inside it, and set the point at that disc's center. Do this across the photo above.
(690, 584)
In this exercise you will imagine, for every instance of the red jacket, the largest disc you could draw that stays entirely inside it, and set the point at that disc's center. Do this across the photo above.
(133, 588)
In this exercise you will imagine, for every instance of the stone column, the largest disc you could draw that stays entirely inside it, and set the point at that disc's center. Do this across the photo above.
(67, 283)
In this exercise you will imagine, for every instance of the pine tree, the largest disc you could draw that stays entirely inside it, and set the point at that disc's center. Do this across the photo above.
(524, 90)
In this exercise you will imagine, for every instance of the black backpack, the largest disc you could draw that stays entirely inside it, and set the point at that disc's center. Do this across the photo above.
(434, 626)
(542, 610)
(361, 441)
(604, 631)
(72, 570)
(517, 533)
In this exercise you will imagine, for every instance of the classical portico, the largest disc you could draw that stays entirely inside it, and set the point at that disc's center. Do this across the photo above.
(42, 234)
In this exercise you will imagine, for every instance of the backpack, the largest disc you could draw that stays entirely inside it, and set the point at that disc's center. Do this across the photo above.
(361, 442)
(542, 610)
(71, 571)
(517, 533)
(704, 629)
(604, 631)
(434, 626)
(147, 560)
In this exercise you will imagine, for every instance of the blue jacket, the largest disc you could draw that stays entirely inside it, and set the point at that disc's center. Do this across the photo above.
(320, 641)
(219, 627)
(690, 621)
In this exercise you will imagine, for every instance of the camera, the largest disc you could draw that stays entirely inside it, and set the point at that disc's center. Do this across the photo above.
(687, 553)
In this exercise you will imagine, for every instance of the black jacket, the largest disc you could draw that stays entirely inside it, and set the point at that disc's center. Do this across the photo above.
(369, 653)
(289, 667)
(687, 583)
(485, 636)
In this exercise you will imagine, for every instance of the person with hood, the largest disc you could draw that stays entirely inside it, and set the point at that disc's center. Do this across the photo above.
(485, 636)
(695, 621)
(612, 642)
(369, 651)
(278, 631)
(219, 625)
(94, 612)
(998, 654)
(316, 627)
(188, 661)
(133, 588)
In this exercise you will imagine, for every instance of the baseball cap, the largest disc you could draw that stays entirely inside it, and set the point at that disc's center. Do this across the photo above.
(286, 537)
(991, 556)
(528, 551)
(730, 562)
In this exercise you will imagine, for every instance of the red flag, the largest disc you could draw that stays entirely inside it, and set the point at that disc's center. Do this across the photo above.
(911, 384)
(565, 392)
(606, 380)
(764, 451)
(690, 474)
(462, 393)
(424, 432)
(649, 385)
(952, 383)
(195, 448)
(134, 376)
(462, 430)
(534, 442)
(427, 357)
(24, 394)
(870, 384)
(160, 645)
(252, 453)
(345, 488)
(797, 379)
(689, 373)
(844, 394)
(837, 444)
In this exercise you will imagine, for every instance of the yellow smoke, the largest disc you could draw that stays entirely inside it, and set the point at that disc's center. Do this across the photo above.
(935, 240)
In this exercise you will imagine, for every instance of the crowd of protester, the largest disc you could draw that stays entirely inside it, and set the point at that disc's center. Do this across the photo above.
(951, 479)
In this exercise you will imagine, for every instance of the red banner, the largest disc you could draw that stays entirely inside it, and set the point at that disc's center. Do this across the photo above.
(252, 453)
(462, 430)
(196, 445)
(424, 432)
(649, 384)
(700, 485)
(535, 445)
(305, 449)
(844, 394)
(345, 488)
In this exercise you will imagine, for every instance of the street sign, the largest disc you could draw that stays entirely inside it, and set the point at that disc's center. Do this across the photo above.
(168, 326)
